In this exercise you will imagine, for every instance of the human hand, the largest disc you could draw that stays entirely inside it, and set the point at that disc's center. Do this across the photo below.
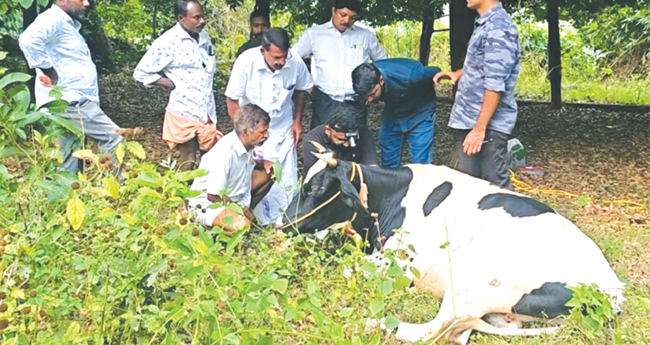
(296, 132)
(248, 214)
(268, 168)
(452, 76)
(166, 84)
(473, 142)
(49, 77)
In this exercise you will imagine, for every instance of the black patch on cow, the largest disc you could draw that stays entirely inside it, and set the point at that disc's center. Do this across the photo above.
(546, 302)
(436, 197)
(387, 187)
(515, 205)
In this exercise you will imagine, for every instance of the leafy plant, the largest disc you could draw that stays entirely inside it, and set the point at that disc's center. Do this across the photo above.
(592, 308)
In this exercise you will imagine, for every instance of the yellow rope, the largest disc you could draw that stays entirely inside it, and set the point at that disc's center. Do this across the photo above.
(521, 186)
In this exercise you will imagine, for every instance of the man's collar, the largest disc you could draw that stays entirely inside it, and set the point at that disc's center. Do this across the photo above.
(183, 34)
(330, 25)
(260, 64)
(239, 147)
(66, 16)
(482, 19)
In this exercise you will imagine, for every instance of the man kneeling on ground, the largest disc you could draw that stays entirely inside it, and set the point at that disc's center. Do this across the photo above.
(232, 170)
(342, 135)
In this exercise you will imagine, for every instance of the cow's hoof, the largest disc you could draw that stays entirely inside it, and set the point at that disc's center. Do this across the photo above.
(409, 332)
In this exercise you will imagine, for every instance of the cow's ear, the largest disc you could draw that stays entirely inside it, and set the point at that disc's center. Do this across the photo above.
(349, 194)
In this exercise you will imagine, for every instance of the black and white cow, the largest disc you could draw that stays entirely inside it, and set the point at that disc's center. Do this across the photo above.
(511, 257)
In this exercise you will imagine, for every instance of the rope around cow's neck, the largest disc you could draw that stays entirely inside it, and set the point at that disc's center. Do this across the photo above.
(363, 196)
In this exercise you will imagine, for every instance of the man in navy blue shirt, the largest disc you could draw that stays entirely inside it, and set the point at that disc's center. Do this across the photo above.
(406, 87)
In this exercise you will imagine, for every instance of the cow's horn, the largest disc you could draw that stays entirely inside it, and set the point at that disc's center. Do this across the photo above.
(320, 148)
(330, 161)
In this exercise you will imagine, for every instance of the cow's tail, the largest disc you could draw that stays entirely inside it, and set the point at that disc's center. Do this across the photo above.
(453, 330)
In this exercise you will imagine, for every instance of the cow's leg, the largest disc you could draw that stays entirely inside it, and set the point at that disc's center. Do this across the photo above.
(438, 328)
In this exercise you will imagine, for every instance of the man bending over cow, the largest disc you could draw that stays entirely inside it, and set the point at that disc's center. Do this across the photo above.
(233, 175)
(485, 110)
(342, 135)
(406, 87)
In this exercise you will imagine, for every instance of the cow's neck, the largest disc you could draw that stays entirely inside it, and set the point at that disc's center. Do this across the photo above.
(386, 189)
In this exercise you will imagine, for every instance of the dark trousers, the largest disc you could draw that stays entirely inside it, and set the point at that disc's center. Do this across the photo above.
(324, 107)
(491, 163)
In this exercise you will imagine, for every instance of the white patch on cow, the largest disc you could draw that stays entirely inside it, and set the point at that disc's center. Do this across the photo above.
(480, 251)
(319, 166)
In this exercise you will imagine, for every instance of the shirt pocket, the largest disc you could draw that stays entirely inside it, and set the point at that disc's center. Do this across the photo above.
(355, 55)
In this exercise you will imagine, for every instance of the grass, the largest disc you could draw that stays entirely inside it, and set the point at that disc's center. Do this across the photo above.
(582, 80)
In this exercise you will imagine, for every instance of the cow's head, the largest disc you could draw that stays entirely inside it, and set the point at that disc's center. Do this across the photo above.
(313, 210)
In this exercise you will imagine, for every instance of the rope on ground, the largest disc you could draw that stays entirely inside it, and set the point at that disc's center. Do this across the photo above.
(522, 186)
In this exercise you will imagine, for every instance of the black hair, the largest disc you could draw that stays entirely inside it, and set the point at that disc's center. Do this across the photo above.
(258, 13)
(343, 119)
(353, 5)
(276, 36)
(180, 10)
(364, 78)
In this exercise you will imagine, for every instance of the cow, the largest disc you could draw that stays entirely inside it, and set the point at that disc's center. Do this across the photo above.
(490, 254)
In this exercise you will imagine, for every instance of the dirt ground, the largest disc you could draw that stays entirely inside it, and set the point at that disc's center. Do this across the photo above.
(601, 153)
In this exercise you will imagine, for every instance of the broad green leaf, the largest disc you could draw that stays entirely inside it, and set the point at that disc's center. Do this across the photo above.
(100, 192)
(57, 106)
(190, 175)
(345, 312)
(199, 245)
(391, 322)
(376, 306)
(14, 78)
(394, 270)
(67, 125)
(415, 272)
(136, 149)
(57, 232)
(119, 153)
(193, 272)
(235, 208)
(73, 331)
(111, 184)
(277, 171)
(149, 192)
(75, 212)
(401, 282)
(231, 339)
(412, 248)
(386, 287)
(265, 340)
(21, 97)
(280, 285)
(369, 267)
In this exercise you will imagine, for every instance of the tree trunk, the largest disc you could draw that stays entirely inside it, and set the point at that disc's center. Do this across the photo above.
(461, 26)
(425, 37)
(554, 53)
(154, 24)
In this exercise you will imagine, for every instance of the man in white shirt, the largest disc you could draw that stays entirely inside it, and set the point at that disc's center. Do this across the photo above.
(336, 48)
(53, 46)
(277, 81)
(185, 54)
(231, 173)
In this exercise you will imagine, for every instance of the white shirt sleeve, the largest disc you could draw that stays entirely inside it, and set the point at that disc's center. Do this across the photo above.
(303, 47)
(375, 50)
(217, 179)
(236, 87)
(33, 41)
(153, 62)
(303, 79)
